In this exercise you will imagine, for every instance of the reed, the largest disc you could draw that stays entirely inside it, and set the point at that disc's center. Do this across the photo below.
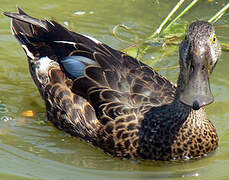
(168, 33)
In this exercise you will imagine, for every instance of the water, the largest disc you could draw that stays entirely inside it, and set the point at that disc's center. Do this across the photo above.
(31, 148)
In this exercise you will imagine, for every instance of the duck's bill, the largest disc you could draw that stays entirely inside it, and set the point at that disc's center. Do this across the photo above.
(197, 92)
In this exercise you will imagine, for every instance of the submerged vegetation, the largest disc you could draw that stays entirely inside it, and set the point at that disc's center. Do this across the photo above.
(170, 32)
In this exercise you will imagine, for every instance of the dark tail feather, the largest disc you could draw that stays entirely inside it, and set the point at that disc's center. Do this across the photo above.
(40, 29)
(38, 35)
(23, 17)
(26, 28)
(42, 38)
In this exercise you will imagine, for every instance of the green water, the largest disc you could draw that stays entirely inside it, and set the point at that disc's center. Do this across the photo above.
(31, 148)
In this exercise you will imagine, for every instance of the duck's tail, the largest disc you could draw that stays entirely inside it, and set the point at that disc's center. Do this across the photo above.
(38, 37)
(41, 38)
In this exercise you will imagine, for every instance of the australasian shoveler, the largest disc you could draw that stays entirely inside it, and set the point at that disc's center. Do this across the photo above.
(114, 101)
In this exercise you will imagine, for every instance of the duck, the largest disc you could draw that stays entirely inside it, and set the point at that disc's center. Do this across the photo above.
(116, 102)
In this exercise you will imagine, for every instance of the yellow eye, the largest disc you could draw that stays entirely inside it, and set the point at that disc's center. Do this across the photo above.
(214, 39)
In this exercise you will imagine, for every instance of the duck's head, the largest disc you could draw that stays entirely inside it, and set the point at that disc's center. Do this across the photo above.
(199, 53)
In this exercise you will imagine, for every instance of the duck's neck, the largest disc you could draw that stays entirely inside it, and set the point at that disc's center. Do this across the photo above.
(160, 128)
(175, 131)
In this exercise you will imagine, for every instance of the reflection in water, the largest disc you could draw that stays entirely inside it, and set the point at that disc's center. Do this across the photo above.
(22, 163)
(32, 148)
(3, 112)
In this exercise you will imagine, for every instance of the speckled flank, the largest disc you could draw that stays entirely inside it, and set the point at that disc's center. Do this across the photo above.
(118, 103)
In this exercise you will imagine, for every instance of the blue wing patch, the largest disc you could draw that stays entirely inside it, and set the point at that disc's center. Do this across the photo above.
(75, 65)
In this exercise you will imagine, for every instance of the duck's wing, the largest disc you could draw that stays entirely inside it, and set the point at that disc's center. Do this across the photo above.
(115, 89)
(65, 110)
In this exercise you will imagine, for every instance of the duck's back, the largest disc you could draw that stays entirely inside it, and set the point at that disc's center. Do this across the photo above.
(110, 99)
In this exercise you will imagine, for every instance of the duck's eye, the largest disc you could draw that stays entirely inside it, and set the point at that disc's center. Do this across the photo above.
(214, 39)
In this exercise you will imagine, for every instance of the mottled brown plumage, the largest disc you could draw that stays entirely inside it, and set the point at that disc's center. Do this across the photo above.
(114, 101)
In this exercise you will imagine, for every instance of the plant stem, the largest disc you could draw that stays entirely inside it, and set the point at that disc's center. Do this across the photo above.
(127, 28)
(181, 14)
(218, 15)
(166, 19)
